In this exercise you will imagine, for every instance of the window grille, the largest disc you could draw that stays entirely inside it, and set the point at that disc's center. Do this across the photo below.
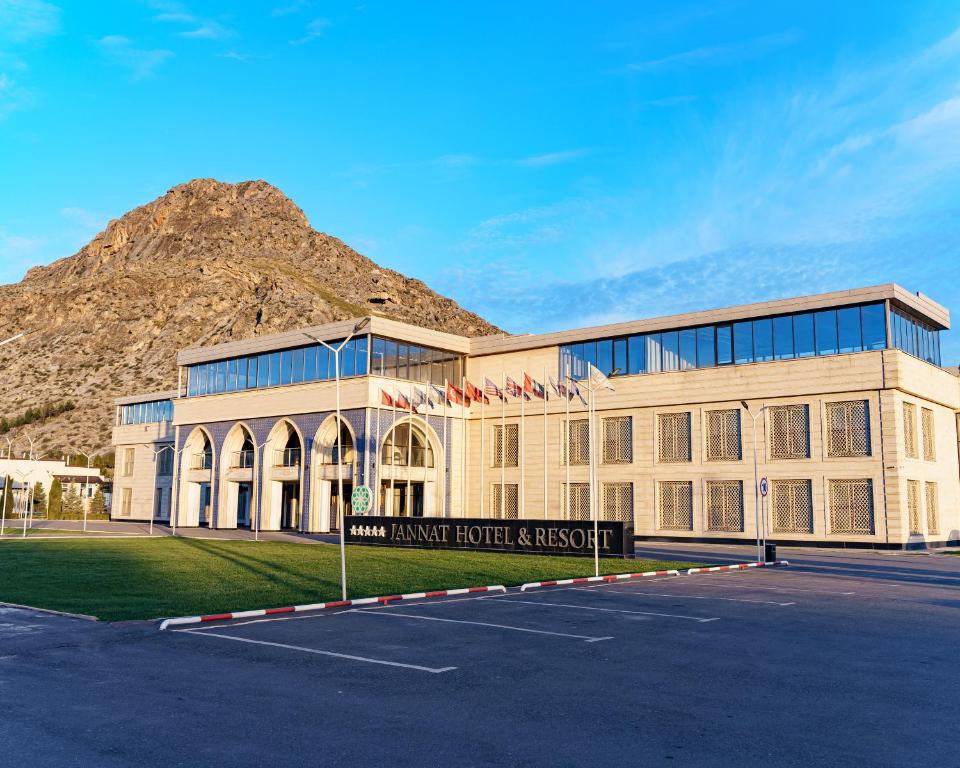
(578, 441)
(506, 453)
(929, 439)
(933, 511)
(723, 435)
(505, 506)
(126, 499)
(848, 428)
(791, 506)
(913, 506)
(128, 462)
(675, 505)
(724, 505)
(910, 431)
(617, 440)
(618, 502)
(790, 431)
(579, 504)
(851, 506)
(673, 433)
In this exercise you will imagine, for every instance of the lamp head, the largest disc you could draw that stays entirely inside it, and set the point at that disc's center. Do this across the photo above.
(362, 323)
(744, 404)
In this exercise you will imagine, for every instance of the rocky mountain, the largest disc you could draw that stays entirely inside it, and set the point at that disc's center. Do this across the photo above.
(208, 262)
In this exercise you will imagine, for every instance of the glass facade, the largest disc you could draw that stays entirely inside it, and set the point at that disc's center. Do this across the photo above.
(402, 360)
(784, 337)
(152, 412)
(274, 369)
(914, 337)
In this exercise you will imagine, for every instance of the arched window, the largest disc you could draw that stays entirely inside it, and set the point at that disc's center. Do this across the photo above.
(407, 446)
(346, 447)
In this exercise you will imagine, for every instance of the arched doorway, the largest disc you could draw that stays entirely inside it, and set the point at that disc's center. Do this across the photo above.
(238, 464)
(282, 478)
(196, 488)
(326, 506)
(408, 474)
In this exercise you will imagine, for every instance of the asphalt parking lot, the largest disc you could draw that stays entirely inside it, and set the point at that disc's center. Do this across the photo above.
(839, 659)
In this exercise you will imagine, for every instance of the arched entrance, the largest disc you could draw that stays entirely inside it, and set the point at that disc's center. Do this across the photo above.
(238, 464)
(196, 488)
(408, 474)
(326, 506)
(282, 478)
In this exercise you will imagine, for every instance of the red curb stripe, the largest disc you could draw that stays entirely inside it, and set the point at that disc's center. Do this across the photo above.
(548, 583)
(338, 604)
(581, 580)
(285, 609)
(217, 617)
(389, 598)
(441, 593)
(476, 589)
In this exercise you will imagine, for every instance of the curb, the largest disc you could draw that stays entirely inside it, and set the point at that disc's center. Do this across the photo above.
(84, 616)
(325, 606)
(628, 576)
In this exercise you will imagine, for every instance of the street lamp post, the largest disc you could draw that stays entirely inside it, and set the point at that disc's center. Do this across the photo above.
(359, 326)
(24, 481)
(86, 486)
(756, 476)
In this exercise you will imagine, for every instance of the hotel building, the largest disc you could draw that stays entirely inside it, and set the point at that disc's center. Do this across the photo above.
(840, 397)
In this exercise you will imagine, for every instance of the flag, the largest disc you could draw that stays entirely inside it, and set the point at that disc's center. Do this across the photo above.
(435, 391)
(559, 387)
(597, 379)
(386, 399)
(420, 398)
(533, 386)
(473, 393)
(455, 395)
(401, 402)
(575, 390)
(515, 390)
(493, 390)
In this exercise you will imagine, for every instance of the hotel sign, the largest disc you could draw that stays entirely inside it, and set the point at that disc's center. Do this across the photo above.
(544, 537)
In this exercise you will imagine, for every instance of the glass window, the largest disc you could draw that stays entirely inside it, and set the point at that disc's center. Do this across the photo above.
(803, 335)
(436, 369)
(378, 352)
(636, 355)
(706, 355)
(232, 375)
(361, 360)
(211, 378)
(286, 366)
(589, 356)
(724, 345)
(323, 362)
(296, 366)
(274, 378)
(403, 361)
(310, 364)
(783, 337)
(605, 356)
(192, 381)
(579, 361)
(743, 342)
(348, 359)
(242, 373)
(451, 371)
(670, 342)
(874, 326)
(263, 370)
(848, 322)
(221, 376)
(390, 366)
(653, 351)
(826, 325)
(620, 356)
(763, 340)
(688, 349)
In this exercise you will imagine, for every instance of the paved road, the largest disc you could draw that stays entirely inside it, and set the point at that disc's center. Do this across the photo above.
(842, 659)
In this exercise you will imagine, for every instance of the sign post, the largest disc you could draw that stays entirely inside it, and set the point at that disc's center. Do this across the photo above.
(762, 522)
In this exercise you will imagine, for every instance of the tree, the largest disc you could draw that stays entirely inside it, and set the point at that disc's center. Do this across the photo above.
(97, 504)
(39, 499)
(55, 501)
(72, 505)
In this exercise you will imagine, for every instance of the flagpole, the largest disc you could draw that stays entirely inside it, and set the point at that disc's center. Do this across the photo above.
(503, 445)
(463, 451)
(523, 434)
(376, 458)
(483, 402)
(566, 451)
(446, 453)
(393, 455)
(544, 442)
(591, 406)
(408, 500)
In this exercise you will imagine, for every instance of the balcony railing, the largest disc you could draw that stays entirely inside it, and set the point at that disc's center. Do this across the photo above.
(241, 460)
(288, 457)
(201, 461)
(418, 456)
(349, 455)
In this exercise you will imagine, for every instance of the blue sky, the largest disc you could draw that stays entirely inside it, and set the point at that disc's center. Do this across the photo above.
(547, 164)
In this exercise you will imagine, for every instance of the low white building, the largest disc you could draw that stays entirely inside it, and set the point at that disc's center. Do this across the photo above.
(26, 473)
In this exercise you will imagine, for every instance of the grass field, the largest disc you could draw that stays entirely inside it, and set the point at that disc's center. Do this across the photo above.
(151, 578)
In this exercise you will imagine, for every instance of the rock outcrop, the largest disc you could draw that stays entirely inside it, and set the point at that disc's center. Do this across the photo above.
(207, 262)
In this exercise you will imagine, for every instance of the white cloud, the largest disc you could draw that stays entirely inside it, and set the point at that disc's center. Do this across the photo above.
(13, 97)
(24, 20)
(140, 63)
(293, 7)
(551, 158)
(718, 54)
(314, 29)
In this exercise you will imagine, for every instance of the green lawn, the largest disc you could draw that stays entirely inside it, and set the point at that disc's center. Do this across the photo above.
(59, 532)
(151, 578)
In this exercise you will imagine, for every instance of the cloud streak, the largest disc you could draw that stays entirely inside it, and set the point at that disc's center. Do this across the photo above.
(140, 63)
(718, 54)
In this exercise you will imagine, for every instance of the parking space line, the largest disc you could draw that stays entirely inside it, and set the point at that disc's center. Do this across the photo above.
(350, 657)
(751, 585)
(694, 597)
(405, 615)
(700, 619)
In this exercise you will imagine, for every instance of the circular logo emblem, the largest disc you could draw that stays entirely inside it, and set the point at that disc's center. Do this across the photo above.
(763, 486)
(360, 500)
